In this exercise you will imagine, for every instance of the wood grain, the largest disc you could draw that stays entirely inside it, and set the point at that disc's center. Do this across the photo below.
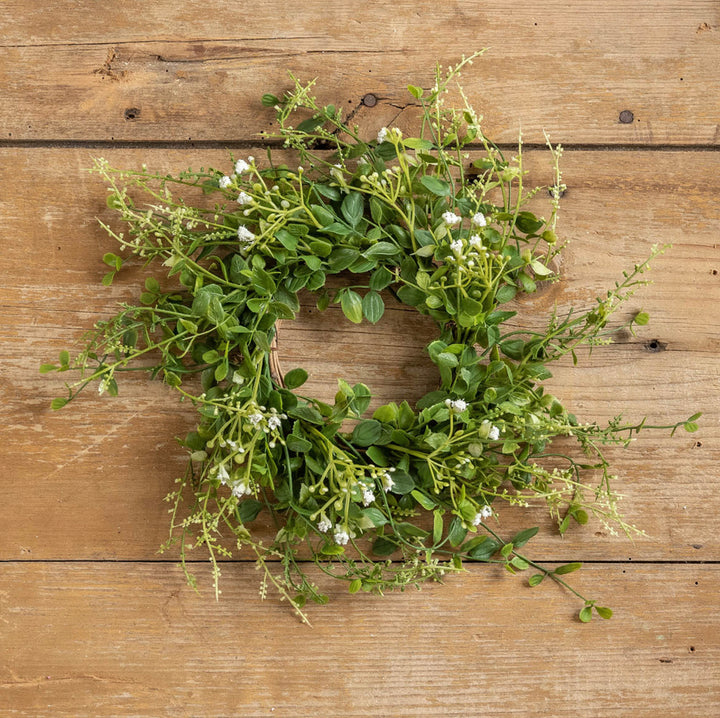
(94, 640)
(155, 73)
(88, 482)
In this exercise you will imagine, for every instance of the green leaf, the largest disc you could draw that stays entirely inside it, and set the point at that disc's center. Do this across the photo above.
(384, 546)
(520, 539)
(402, 482)
(485, 550)
(64, 358)
(377, 517)
(381, 249)
(585, 614)
(58, 403)
(295, 378)
(567, 568)
(367, 432)
(536, 579)
(381, 278)
(355, 585)
(415, 143)
(604, 612)
(519, 563)
(437, 525)
(423, 499)
(373, 306)
(437, 186)
(306, 413)
(456, 532)
(46, 368)
(351, 304)
(297, 444)
(415, 91)
(352, 208)
(248, 509)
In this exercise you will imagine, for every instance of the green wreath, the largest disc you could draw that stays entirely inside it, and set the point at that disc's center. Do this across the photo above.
(440, 222)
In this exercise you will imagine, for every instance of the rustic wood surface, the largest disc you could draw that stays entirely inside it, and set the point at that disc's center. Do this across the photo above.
(94, 623)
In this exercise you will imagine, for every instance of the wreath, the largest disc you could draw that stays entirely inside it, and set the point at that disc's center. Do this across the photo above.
(409, 494)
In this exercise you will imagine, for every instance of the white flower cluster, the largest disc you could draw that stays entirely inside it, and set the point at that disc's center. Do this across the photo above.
(341, 535)
(456, 406)
(244, 198)
(450, 218)
(324, 525)
(268, 420)
(493, 433)
(485, 513)
(240, 166)
(384, 134)
(245, 235)
(385, 477)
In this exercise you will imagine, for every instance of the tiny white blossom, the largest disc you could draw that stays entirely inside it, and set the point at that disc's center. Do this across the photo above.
(242, 166)
(479, 220)
(387, 481)
(494, 433)
(274, 422)
(456, 405)
(368, 497)
(241, 489)
(485, 513)
(476, 241)
(244, 234)
(457, 246)
(223, 474)
(244, 198)
(324, 525)
(255, 418)
(382, 135)
(451, 218)
(224, 182)
(341, 536)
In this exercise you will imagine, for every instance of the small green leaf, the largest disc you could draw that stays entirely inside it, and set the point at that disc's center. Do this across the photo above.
(373, 307)
(58, 403)
(351, 304)
(567, 568)
(604, 612)
(367, 432)
(355, 585)
(64, 359)
(248, 509)
(536, 579)
(295, 378)
(437, 186)
(415, 91)
(269, 100)
(586, 614)
(520, 539)
(352, 208)
(437, 525)
(306, 413)
(46, 368)
(641, 319)
(297, 444)
(423, 499)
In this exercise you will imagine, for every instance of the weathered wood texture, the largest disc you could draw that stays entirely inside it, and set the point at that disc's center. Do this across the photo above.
(122, 451)
(91, 640)
(152, 71)
(92, 623)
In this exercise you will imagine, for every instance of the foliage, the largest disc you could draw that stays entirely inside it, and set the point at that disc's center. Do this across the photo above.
(416, 218)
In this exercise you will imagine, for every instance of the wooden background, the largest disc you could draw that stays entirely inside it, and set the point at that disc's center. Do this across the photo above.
(93, 622)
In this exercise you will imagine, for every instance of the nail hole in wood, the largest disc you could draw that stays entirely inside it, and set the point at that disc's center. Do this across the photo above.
(626, 117)
(655, 345)
(132, 113)
(369, 100)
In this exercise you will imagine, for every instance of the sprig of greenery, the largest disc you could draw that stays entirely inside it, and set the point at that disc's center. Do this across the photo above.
(445, 232)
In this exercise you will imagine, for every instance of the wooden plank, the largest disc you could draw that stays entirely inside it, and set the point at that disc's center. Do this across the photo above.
(88, 482)
(198, 74)
(105, 640)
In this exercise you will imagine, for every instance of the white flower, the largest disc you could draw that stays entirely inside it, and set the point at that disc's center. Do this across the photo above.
(242, 166)
(457, 406)
(324, 525)
(451, 218)
(494, 433)
(274, 422)
(476, 241)
(382, 135)
(368, 497)
(244, 234)
(244, 198)
(241, 489)
(387, 481)
(479, 220)
(341, 536)
(255, 418)
(485, 513)
(224, 182)
(223, 474)
(457, 246)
